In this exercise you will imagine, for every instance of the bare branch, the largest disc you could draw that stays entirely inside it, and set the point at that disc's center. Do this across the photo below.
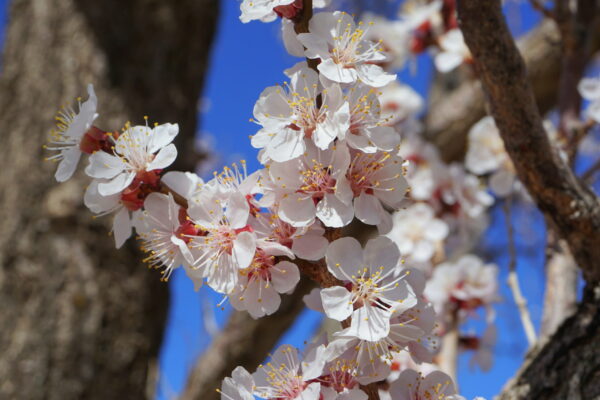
(513, 278)
(570, 205)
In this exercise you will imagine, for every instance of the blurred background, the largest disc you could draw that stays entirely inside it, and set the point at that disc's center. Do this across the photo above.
(81, 320)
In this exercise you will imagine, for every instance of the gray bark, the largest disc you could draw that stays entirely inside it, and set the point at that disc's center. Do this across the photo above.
(81, 320)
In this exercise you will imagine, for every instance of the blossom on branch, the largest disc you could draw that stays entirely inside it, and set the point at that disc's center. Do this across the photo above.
(344, 53)
(70, 138)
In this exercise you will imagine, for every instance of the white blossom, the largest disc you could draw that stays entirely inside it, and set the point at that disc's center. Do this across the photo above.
(239, 387)
(372, 293)
(137, 151)
(453, 51)
(589, 88)
(166, 231)
(418, 233)
(376, 180)
(368, 130)
(70, 129)
(314, 185)
(467, 282)
(412, 385)
(261, 9)
(346, 57)
(486, 155)
(291, 114)
(261, 283)
(306, 242)
(228, 244)
(126, 214)
(284, 378)
(399, 103)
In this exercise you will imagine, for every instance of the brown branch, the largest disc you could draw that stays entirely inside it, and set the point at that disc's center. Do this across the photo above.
(539, 6)
(576, 31)
(590, 172)
(513, 278)
(81, 319)
(571, 207)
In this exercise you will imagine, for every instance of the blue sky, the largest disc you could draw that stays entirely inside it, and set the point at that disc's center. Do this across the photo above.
(246, 59)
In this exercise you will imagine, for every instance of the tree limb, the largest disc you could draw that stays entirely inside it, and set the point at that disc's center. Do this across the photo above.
(570, 205)
(81, 319)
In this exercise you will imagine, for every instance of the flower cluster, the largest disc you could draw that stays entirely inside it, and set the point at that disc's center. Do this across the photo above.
(340, 142)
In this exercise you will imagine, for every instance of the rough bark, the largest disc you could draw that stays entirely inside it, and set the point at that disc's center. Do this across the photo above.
(568, 203)
(244, 341)
(567, 365)
(80, 319)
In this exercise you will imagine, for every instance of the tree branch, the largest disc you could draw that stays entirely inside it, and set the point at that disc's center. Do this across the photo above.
(513, 278)
(571, 206)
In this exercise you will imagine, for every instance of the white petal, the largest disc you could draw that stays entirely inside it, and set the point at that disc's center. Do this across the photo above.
(353, 394)
(447, 61)
(313, 300)
(182, 183)
(385, 138)
(368, 209)
(244, 247)
(121, 227)
(310, 247)
(589, 88)
(164, 158)
(381, 252)
(337, 72)
(333, 212)
(315, 46)
(311, 392)
(237, 211)
(117, 184)
(297, 210)
(370, 323)
(68, 164)
(344, 257)
(104, 165)
(98, 203)
(290, 40)
(284, 276)
(374, 75)
(286, 144)
(337, 302)
(161, 136)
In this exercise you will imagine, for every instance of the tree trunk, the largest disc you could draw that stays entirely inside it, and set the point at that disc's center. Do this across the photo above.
(81, 320)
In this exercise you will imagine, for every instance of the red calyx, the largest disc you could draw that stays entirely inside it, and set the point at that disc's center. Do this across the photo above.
(449, 14)
(143, 184)
(95, 139)
(289, 11)
(422, 38)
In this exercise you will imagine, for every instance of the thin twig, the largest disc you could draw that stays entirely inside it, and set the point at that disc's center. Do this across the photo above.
(539, 6)
(449, 350)
(590, 172)
(513, 278)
